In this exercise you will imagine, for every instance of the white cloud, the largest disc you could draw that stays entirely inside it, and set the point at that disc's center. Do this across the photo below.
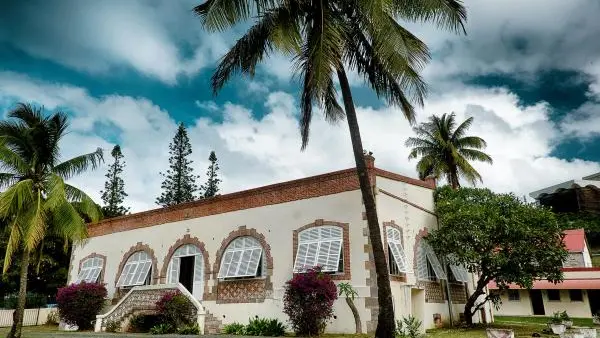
(210, 106)
(256, 151)
(103, 36)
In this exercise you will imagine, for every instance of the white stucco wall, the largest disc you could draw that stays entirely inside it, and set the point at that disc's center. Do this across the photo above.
(523, 306)
(276, 223)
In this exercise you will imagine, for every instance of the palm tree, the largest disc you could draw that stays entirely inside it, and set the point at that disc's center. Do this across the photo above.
(446, 151)
(326, 38)
(37, 202)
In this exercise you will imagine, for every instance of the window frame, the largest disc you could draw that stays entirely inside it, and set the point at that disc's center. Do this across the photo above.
(230, 252)
(551, 291)
(91, 270)
(510, 295)
(130, 272)
(426, 255)
(318, 239)
(580, 292)
(394, 242)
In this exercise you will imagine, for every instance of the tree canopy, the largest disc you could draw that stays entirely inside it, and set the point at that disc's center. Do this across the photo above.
(179, 185)
(211, 187)
(114, 194)
(499, 237)
(445, 149)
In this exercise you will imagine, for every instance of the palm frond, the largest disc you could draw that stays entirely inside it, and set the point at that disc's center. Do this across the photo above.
(12, 245)
(218, 15)
(83, 203)
(11, 161)
(333, 111)
(29, 114)
(16, 198)
(475, 155)
(35, 230)
(466, 170)
(471, 142)
(8, 179)
(462, 128)
(319, 58)
(67, 222)
(256, 44)
(79, 164)
(447, 14)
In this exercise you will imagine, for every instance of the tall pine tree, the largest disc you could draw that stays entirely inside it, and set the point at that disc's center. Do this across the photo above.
(114, 187)
(179, 185)
(211, 187)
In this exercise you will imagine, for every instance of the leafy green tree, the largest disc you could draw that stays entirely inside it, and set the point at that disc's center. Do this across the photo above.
(498, 237)
(114, 187)
(37, 202)
(179, 185)
(346, 290)
(325, 39)
(445, 150)
(211, 187)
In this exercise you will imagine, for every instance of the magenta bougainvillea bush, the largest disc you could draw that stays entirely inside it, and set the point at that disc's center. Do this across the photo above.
(78, 304)
(176, 310)
(308, 301)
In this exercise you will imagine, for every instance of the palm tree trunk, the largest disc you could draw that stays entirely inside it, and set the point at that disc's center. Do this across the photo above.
(357, 323)
(385, 320)
(15, 330)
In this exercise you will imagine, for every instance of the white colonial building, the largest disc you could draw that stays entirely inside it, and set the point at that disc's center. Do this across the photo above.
(234, 252)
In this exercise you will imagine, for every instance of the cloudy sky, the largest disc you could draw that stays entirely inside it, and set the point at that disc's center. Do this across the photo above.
(128, 71)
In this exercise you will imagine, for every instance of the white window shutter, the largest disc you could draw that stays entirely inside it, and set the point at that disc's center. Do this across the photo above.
(241, 258)
(394, 239)
(460, 273)
(434, 261)
(320, 246)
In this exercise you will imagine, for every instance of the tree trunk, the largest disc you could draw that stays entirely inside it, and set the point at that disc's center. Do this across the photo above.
(470, 304)
(385, 320)
(15, 330)
(356, 315)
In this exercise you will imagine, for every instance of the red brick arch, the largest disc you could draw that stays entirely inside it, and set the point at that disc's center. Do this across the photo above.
(139, 247)
(252, 290)
(92, 255)
(187, 239)
(346, 275)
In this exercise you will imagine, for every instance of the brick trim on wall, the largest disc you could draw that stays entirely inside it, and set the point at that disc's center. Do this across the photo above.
(250, 290)
(309, 187)
(92, 255)
(187, 239)
(391, 224)
(346, 275)
(139, 247)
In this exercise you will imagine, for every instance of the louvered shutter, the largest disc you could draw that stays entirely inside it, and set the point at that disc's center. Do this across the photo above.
(394, 239)
(433, 260)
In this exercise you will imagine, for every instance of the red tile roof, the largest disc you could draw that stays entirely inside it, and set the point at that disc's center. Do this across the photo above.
(574, 240)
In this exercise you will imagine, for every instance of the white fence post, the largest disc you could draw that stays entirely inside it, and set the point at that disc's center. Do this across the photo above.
(31, 317)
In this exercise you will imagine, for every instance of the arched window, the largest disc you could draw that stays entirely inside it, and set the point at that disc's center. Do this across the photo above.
(187, 267)
(428, 265)
(137, 270)
(320, 246)
(397, 258)
(91, 268)
(242, 258)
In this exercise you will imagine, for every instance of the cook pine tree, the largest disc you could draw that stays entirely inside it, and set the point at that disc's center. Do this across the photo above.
(114, 187)
(211, 187)
(179, 185)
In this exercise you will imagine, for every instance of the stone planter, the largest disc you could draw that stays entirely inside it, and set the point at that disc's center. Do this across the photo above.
(571, 334)
(500, 333)
(557, 328)
(568, 323)
(587, 332)
(596, 320)
(62, 326)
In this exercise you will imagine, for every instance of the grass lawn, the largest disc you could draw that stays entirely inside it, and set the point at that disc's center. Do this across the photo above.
(538, 320)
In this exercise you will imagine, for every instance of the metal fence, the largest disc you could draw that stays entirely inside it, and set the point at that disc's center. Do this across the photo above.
(32, 317)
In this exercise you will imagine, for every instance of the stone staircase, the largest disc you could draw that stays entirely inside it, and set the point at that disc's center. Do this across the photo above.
(142, 299)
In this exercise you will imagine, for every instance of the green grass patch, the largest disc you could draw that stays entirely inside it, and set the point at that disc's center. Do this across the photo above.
(596, 261)
(537, 320)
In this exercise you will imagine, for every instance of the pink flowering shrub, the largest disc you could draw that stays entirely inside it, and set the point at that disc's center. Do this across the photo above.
(308, 301)
(176, 310)
(78, 304)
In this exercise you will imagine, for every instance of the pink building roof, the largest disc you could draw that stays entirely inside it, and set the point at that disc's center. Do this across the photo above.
(574, 240)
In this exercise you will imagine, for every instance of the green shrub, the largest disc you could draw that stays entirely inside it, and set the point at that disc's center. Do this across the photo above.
(189, 329)
(265, 327)
(32, 301)
(162, 328)
(235, 329)
(408, 327)
(113, 326)
(142, 323)
(176, 310)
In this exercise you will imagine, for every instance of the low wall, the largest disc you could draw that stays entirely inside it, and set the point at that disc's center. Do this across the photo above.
(32, 317)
